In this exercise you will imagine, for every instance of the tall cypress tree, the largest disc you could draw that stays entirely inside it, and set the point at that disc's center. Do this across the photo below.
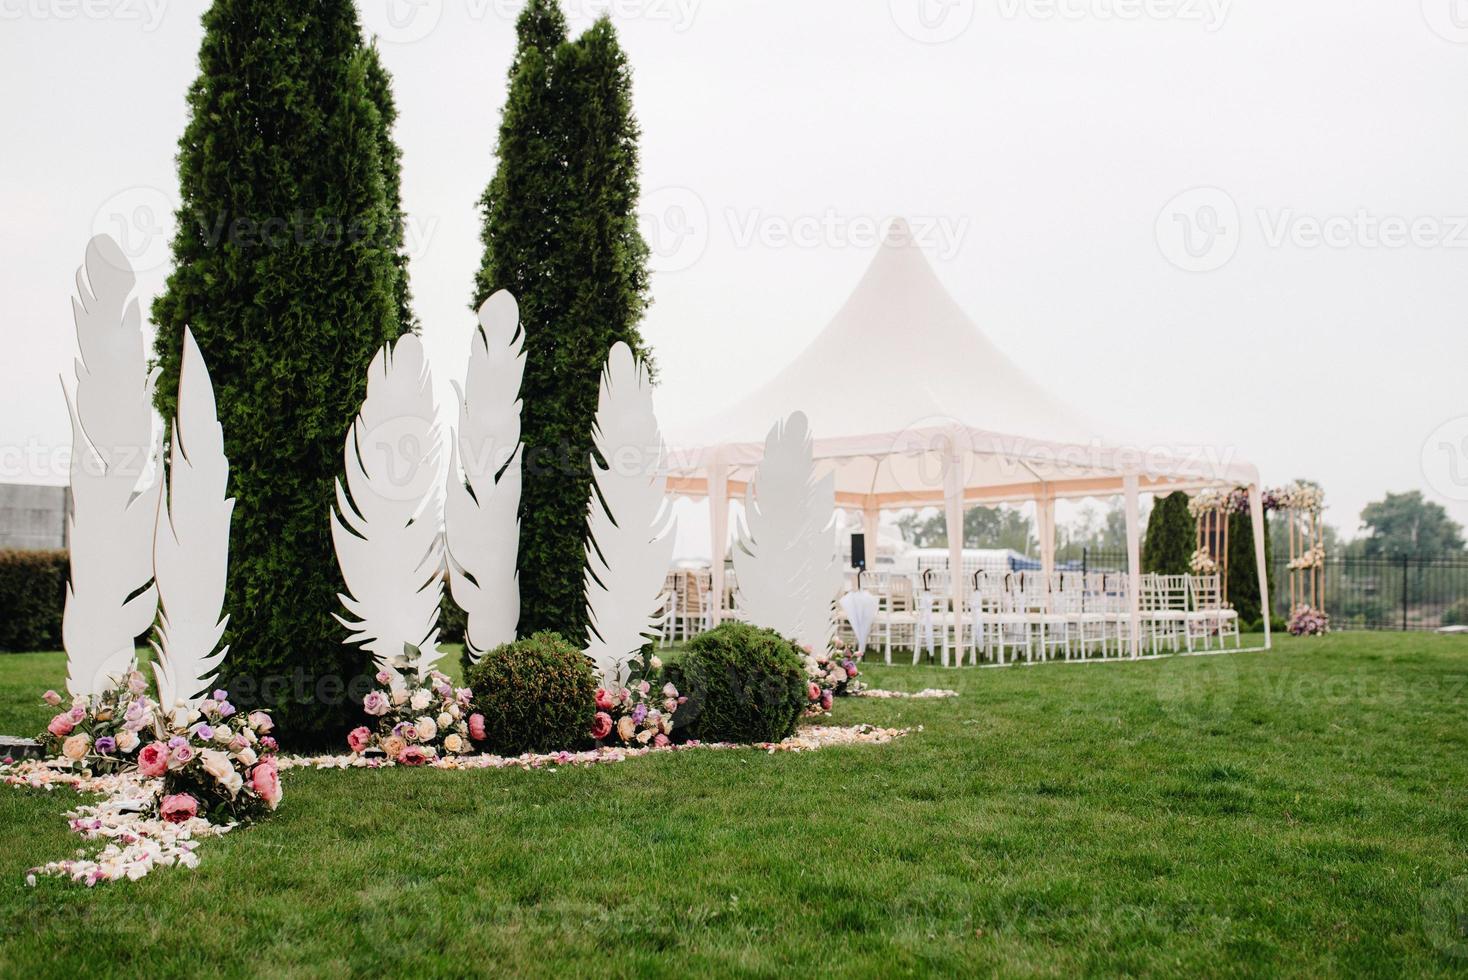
(286, 270)
(1243, 575)
(1171, 536)
(560, 232)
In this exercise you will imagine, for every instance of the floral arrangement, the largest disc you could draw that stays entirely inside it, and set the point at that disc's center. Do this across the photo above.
(1202, 562)
(1314, 558)
(1308, 621)
(639, 713)
(215, 763)
(420, 718)
(1297, 496)
(832, 674)
(102, 732)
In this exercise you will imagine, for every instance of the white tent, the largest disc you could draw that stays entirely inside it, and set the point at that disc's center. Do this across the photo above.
(954, 422)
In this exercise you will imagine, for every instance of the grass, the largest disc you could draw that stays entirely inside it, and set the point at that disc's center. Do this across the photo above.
(1299, 812)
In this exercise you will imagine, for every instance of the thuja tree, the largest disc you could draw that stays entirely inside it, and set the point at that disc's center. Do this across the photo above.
(287, 268)
(560, 232)
(1243, 572)
(1171, 536)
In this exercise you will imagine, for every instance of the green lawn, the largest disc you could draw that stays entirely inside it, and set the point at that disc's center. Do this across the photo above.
(1299, 812)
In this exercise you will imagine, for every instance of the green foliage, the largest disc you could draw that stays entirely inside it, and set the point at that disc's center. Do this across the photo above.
(743, 684)
(32, 599)
(983, 527)
(560, 232)
(287, 267)
(1456, 614)
(1243, 573)
(1406, 525)
(1171, 537)
(536, 695)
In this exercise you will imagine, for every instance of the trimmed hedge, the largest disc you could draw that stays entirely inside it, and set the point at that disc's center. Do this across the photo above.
(536, 695)
(743, 684)
(32, 598)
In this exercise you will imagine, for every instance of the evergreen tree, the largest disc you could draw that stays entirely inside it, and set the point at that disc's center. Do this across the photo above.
(379, 89)
(1171, 536)
(285, 268)
(560, 232)
(1243, 576)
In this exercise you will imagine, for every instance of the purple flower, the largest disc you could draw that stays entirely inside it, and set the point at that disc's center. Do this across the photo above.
(106, 745)
(204, 731)
(176, 741)
(225, 709)
(220, 695)
(639, 713)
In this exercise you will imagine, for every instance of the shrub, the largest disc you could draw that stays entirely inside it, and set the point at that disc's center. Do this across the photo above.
(452, 621)
(743, 684)
(32, 597)
(1456, 614)
(1171, 536)
(536, 695)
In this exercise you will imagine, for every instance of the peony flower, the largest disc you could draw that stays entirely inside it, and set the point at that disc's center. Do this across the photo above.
(261, 722)
(813, 692)
(61, 725)
(153, 760)
(661, 740)
(626, 728)
(454, 743)
(601, 725)
(51, 698)
(421, 699)
(178, 808)
(107, 745)
(127, 741)
(267, 744)
(75, 748)
(476, 727)
(826, 700)
(850, 669)
(358, 739)
(265, 781)
(604, 700)
(414, 755)
(427, 729)
(394, 745)
(375, 704)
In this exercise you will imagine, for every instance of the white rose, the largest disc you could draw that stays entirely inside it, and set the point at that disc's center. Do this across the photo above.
(246, 756)
(455, 712)
(233, 782)
(217, 764)
(222, 734)
(427, 729)
(454, 743)
(421, 699)
(127, 741)
(400, 696)
(445, 719)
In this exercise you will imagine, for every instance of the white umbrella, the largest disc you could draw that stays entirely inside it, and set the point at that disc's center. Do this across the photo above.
(861, 612)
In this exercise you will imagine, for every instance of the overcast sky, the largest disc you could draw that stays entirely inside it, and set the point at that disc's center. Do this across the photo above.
(1241, 223)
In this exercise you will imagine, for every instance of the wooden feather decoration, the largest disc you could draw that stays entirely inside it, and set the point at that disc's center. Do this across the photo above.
(786, 562)
(386, 525)
(110, 598)
(482, 506)
(191, 543)
(629, 520)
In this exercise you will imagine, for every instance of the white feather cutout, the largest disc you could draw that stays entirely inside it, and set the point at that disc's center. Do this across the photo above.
(191, 543)
(386, 522)
(786, 563)
(629, 519)
(482, 508)
(110, 599)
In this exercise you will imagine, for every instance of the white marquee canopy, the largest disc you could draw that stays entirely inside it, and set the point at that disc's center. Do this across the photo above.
(954, 422)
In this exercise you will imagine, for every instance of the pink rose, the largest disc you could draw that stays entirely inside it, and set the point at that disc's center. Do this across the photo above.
(181, 756)
(414, 755)
(626, 728)
(660, 740)
(178, 807)
(813, 692)
(376, 704)
(826, 700)
(604, 700)
(78, 713)
(153, 760)
(476, 728)
(261, 722)
(265, 781)
(358, 739)
(851, 670)
(61, 725)
(601, 725)
(51, 698)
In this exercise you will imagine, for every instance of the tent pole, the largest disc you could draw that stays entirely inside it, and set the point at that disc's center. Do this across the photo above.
(1130, 490)
(718, 494)
(871, 523)
(953, 519)
(1046, 513)
(1256, 512)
